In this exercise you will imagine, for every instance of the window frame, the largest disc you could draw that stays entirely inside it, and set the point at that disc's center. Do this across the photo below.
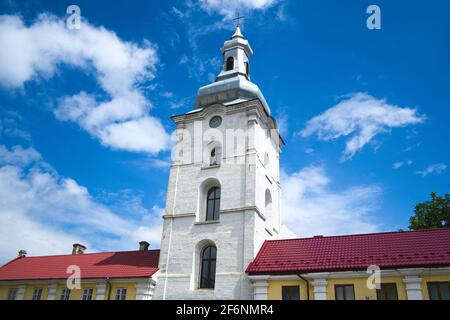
(121, 294)
(215, 202)
(12, 294)
(65, 294)
(439, 291)
(227, 64)
(209, 283)
(37, 294)
(336, 286)
(213, 157)
(87, 293)
(290, 287)
(381, 293)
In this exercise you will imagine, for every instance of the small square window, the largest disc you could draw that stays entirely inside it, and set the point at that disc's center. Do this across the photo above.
(290, 292)
(344, 292)
(121, 294)
(37, 294)
(87, 294)
(387, 291)
(65, 294)
(439, 290)
(12, 293)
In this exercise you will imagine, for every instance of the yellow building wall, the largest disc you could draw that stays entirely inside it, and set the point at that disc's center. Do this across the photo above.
(362, 292)
(360, 286)
(130, 286)
(4, 290)
(30, 288)
(77, 294)
(425, 279)
(275, 289)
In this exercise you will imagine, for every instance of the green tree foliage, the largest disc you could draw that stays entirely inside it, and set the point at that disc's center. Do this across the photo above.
(434, 213)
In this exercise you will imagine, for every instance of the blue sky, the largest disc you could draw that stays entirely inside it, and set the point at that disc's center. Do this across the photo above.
(364, 113)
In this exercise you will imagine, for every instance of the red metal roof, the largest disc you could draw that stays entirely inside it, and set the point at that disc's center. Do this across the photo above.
(407, 249)
(126, 264)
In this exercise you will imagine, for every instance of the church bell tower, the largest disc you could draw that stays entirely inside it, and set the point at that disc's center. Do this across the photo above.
(224, 193)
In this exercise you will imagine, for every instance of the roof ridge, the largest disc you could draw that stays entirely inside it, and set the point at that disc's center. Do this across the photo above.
(359, 234)
(11, 261)
(84, 254)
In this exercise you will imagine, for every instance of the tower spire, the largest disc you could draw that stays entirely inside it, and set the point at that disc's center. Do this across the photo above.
(238, 19)
(233, 83)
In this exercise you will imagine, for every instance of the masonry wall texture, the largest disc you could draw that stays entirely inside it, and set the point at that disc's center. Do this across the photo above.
(244, 221)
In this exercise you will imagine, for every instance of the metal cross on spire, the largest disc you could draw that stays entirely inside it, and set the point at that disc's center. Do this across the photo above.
(238, 19)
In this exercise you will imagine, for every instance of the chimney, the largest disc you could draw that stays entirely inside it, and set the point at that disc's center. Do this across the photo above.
(78, 248)
(143, 246)
(22, 254)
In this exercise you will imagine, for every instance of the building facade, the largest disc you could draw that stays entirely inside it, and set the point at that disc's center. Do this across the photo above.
(224, 192)
(405, 265)
(128, 275)
(222, 235)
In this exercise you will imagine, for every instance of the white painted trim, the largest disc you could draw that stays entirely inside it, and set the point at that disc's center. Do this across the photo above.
(320, 289)
(364, 274)
(248, 209)
(101, 291)
(413, 287)
(145, 289)
(21, 292)
(260, 285)
(52, 291)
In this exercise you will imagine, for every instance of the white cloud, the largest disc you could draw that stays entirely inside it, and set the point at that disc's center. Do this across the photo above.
(229, 8)
(18, 156)
(360, 117)
(8, 125)
(309, 151)
(283, 123)
(44, 213)
(311, 207)
(399, 164)
(436, 168)
(180, 103)
(166, 94)
(120, 68)
(199, 66)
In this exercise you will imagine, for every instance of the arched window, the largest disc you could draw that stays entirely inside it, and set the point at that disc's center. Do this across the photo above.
(208, 267)
(213, 159)
(213, 204)
(247, 69)
(230, 64)
(215, 156)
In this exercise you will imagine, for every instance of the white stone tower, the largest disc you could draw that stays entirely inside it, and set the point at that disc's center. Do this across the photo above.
(224, 194)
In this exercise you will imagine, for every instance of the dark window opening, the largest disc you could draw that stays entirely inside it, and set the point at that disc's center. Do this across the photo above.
(230, 64)
(344, 292)
(12, 293)
(213, 161)
(37, 294)
(213, 204)
(65, 294)
(208, 267)
(87, 294)
(387, 291)
(290, 292)
(439, 290)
